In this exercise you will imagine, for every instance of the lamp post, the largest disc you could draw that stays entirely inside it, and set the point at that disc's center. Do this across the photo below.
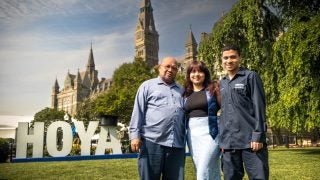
(108, 124)
(108, 120)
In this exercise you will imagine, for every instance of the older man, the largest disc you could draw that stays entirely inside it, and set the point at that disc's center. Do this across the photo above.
(157, 127)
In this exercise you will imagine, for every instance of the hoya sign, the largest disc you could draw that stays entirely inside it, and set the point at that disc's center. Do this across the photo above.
(37, 138)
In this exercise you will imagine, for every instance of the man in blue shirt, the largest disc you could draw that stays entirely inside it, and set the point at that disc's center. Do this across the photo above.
(157, 127)
(242, 124)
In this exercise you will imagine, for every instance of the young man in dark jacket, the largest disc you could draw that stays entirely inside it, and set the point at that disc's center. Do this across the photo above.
(242, 124)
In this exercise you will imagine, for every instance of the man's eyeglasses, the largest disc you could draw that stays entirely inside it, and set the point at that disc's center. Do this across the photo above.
(167, 67)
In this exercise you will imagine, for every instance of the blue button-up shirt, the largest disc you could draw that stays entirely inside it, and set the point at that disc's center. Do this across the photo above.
(158, 114)
(243, 116)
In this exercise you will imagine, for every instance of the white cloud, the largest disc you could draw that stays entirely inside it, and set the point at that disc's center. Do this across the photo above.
(31, 72)
(109, 50)
(41, 40)
(38, 8)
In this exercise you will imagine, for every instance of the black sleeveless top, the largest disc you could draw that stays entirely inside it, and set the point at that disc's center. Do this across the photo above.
(197, 104)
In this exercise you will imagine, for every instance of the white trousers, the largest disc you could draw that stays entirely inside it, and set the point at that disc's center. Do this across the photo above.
(204, 150)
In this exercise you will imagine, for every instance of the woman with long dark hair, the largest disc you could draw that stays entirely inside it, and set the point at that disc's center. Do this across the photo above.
(201, 104)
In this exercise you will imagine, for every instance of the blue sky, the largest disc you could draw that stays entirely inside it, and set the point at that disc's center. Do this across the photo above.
(41, 40)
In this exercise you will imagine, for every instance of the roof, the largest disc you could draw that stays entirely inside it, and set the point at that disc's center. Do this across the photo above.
(190, 38)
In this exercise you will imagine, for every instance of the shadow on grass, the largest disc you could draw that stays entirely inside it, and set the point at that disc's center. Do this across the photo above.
(307, 151)
(311, 151)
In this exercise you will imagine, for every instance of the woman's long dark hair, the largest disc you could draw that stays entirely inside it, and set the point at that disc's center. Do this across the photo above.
(195, 65)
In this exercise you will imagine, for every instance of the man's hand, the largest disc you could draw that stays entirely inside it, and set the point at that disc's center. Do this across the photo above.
(135, 144)
(256, 146)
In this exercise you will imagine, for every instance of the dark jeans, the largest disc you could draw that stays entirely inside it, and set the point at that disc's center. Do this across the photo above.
(256, 164)
(155, 160)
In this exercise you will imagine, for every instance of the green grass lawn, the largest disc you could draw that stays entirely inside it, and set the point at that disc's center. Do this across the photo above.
(288, 164)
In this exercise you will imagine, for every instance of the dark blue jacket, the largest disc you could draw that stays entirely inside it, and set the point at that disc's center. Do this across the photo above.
(243, 118)
(213, 108)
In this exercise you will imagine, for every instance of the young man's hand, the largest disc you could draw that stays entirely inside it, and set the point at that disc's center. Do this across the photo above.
(256, 146)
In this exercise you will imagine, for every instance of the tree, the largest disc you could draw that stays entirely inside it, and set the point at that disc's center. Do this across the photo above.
(4, 150)
(283, 47)
(180, 78)
(86, 111)
(254, 28)
(119, 100)
(48, 115)
(295, 10)
(297, 62)
(250, 25)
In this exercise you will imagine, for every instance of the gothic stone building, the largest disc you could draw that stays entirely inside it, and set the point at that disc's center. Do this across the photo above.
(84, 84)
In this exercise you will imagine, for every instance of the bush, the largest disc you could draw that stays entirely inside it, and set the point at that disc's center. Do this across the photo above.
(76, 150)
(4, 150)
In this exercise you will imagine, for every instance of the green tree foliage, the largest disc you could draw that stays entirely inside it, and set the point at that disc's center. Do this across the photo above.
(86, 111)
(119, 100)
(297, 63)
(207, 53)
(180, 78)
(4, 150)
(282, 45)
(48, 115)
(249, 24)
(295, 10)
(295, 79)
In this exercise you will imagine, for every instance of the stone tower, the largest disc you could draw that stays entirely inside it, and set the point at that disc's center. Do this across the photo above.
(54, 95)
(191, 49)
(91, 71)
(146, 35)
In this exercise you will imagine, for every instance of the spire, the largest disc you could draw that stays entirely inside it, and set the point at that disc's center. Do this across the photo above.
(56, 84)
(146, 35)
(77, 80)
(191, 48)
(55, 87)
(54, 95)
(190, 39)
(68, 81)
(90, 64)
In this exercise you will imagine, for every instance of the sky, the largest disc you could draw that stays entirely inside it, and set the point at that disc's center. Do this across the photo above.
(41, 41)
